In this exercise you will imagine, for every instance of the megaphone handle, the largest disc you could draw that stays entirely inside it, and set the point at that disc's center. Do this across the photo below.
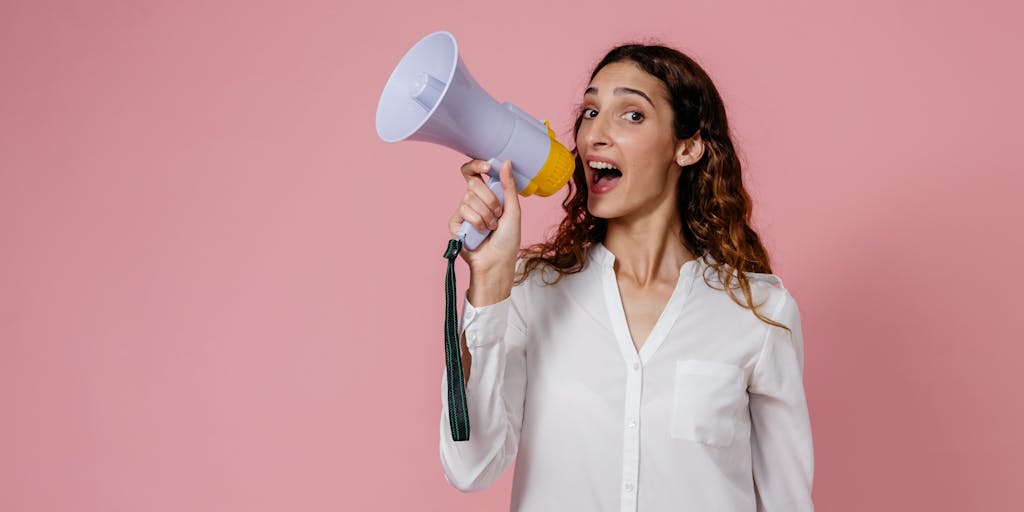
(471, 238)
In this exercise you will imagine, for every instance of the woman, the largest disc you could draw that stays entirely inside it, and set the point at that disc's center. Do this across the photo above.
(644, 358)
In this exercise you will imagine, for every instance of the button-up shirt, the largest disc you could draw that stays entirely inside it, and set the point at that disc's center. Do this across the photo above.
(709, 415)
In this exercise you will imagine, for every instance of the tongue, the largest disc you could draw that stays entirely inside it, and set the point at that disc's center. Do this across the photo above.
(608, 174)
(606, 182)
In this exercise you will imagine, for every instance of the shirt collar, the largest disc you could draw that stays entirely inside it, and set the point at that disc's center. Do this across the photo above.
(606, 259)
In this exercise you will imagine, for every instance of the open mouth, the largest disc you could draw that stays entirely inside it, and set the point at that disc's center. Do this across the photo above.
(606, 174)
(605, 177)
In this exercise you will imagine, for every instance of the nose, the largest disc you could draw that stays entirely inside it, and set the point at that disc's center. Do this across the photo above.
(595, 132)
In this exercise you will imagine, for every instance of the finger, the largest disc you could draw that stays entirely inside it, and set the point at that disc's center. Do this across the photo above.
(487, 215)
(508, 185)
(455, 223)
(481, 217)
(474, 218)
(486, 195)
(473, 169)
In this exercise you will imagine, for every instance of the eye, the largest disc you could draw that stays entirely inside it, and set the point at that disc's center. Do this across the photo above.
(635, 116)
(586, 110)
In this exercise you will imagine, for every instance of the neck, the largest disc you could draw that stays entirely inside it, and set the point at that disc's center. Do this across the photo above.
(648, 247)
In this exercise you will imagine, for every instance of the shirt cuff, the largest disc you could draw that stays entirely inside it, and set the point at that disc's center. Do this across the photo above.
(485, 325)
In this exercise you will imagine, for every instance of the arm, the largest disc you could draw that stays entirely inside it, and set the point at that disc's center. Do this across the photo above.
(494, 337)
(781, 444)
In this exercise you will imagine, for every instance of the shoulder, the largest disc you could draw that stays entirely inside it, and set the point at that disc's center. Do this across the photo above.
(767, 290)
(715, 272)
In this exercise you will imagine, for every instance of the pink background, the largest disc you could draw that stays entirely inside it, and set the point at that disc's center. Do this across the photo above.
(219, 290)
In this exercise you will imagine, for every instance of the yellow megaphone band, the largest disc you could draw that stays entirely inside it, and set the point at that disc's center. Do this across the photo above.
(556, 171)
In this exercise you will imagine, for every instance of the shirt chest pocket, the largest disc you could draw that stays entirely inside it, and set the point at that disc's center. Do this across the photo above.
(707, 400)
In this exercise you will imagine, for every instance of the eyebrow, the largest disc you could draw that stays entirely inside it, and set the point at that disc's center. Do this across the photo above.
(619, 91)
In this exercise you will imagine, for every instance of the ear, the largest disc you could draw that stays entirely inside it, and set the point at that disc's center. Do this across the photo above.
(689, 151)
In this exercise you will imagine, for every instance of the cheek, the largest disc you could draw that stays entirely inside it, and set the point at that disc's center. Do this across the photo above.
(654, 154)
(652, 172)
(645, 155)
(581, 135)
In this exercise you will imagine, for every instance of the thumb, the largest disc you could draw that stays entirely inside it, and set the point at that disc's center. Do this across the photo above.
(508, 185)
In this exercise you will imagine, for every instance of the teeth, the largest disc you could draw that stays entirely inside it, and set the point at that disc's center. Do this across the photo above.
(602, 165)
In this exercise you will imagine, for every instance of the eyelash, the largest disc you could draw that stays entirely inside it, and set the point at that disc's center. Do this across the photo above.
(642, 117)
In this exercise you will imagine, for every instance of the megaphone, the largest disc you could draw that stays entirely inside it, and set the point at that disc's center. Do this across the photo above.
(431, 97)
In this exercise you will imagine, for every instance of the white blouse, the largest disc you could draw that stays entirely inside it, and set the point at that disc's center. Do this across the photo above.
(710, 415)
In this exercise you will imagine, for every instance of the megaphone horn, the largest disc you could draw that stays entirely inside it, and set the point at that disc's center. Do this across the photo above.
(431, 97)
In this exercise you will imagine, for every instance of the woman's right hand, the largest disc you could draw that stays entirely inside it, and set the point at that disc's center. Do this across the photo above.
(497, 253)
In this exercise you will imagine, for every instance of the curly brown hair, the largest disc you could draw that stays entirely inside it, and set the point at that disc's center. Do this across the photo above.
(713, 206)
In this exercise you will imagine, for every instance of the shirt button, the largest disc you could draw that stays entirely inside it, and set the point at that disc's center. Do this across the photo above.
(632, 423)
(629, 487)
(636, 366)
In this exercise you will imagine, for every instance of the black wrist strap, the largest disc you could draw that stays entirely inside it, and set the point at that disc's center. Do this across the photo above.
(458, 414)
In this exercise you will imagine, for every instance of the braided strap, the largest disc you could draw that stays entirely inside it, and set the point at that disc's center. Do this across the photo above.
(458, 415)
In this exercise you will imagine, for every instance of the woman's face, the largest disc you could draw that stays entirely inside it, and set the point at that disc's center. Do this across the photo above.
(627, 124)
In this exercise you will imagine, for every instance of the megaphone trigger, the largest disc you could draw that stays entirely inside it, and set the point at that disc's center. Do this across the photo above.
(495, 171)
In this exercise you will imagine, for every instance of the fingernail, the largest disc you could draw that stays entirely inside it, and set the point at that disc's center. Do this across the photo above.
(497, 212)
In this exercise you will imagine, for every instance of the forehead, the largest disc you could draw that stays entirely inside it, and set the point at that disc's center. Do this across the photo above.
(627, 74)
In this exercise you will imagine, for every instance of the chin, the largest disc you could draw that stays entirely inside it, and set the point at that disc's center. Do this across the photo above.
(601, 209)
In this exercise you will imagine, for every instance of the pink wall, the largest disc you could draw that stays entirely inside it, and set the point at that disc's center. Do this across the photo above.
(198, 311)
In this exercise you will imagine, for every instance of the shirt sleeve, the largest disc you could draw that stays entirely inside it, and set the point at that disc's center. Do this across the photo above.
(781, 445)
(496, 339)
